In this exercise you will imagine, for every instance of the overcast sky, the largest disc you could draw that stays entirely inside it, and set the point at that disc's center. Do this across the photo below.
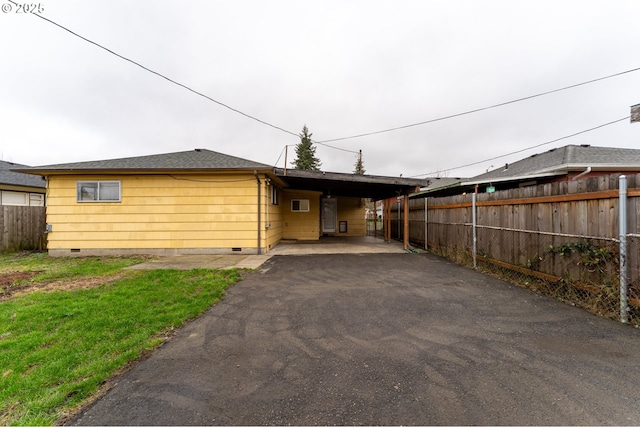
(341, 67)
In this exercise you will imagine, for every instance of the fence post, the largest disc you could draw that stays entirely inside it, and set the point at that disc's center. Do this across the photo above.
(426, 224)
(475, 231)
(622, 205)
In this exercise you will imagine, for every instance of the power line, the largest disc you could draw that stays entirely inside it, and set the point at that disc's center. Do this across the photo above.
(324, 142)
(524, 149)
(281, 153)
(479, 109)
(180, 84)
(166, 78)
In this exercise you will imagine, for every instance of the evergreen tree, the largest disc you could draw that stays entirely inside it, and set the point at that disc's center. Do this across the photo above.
(306, 153)
(359, 170)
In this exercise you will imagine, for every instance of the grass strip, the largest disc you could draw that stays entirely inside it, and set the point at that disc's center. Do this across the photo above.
(57, 348)
(64, 268)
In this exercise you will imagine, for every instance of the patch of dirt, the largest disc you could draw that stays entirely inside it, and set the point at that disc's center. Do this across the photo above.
(7, 279)
(9, 288)
(11, 282)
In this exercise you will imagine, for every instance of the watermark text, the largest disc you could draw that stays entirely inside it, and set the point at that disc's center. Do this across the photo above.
(22, 8)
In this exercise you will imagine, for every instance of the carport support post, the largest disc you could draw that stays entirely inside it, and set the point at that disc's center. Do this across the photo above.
(406, 221)
(474, 231)
(387, 225)
(375, 218)
(384, 219)
(622, 205)
(399, 222)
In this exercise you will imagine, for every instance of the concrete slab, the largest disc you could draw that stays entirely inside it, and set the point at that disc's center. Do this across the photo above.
(326, 245)
(338, 245)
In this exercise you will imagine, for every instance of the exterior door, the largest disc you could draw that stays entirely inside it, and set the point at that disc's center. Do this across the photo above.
(329, 215)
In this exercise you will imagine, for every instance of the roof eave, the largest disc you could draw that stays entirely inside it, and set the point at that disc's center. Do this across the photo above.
(145, 171)
(25, 188)
(516, 178)
(443, 187)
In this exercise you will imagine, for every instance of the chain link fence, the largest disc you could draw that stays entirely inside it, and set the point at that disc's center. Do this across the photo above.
(587, 270)
(578, 270)
(554, 241)
(633, 251)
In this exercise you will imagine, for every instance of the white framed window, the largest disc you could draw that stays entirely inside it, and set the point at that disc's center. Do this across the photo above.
(98, 191)
(15, 198)
(274, 195)
(300, 205)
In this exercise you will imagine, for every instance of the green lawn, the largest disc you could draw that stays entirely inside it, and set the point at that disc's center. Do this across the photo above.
(57, 348)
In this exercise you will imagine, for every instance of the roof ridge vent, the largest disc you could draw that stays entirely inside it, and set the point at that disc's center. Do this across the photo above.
(198, 150)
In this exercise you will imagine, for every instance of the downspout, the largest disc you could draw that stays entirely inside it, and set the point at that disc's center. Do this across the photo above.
(583, 173)
(267, 224)
(259, 211)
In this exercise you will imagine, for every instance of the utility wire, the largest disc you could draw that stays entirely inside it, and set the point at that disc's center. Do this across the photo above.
(324, 142)
(180, 84)
(165, 77)
(281, 153)
(478, 109)
(524, 149)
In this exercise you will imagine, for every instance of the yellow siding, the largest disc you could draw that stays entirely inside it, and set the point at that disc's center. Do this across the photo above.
(301, 225)
(352, 210)
(208, 212)
(272, 218)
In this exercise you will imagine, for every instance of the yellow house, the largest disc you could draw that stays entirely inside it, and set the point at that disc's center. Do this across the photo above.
(195, 202)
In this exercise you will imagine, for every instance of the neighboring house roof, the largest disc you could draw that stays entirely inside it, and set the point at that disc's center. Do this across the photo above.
(10, 178)
(194, 160)
(570, 159)
(442, 185)
(560, 161)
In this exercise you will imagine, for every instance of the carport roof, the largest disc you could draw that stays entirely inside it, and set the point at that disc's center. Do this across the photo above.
(350, 185)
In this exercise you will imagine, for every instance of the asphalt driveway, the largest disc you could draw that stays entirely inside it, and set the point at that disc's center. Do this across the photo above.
(382, 339)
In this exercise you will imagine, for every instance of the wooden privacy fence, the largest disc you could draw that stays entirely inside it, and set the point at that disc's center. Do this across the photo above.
(22, 228)
(563, 231)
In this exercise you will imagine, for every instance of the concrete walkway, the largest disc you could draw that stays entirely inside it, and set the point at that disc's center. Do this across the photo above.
(326, 245)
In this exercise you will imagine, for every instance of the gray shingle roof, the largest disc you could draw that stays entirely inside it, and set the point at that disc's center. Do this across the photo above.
(9, 177)
(198, 159)
(567, 158)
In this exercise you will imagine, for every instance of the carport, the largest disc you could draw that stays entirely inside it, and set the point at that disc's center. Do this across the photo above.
(377, 188)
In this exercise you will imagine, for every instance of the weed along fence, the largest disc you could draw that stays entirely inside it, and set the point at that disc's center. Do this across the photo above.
(22, 228)
(578, 241)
